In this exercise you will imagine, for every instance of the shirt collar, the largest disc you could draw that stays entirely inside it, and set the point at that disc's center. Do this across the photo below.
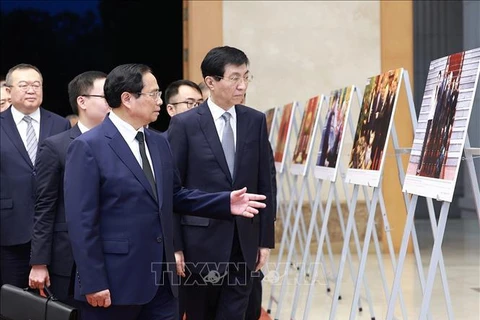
(18, 116)
(217, 112)
(82, 127)
(128, 132)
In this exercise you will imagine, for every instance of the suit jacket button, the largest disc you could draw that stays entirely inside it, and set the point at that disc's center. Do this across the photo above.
(159, 239)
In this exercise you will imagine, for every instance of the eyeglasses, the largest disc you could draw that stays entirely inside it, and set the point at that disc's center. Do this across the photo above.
(24, 86)
(93, 95)
(190, 103)
(237, 79)
(154, 94)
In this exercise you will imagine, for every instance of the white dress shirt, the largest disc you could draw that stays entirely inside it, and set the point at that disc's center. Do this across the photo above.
(82, 127)
(22, 125)
(129, 133)
(217, 113)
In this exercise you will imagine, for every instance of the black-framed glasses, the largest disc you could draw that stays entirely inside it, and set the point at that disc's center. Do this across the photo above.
(190, 103)
(93, 95)
(157, 94)
(237, 79)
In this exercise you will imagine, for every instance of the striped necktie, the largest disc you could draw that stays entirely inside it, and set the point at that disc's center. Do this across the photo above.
(228, 143)
(32, 142)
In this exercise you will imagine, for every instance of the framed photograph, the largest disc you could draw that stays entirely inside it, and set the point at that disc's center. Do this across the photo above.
(332, 134)
(283, 137)
(442, 125)
(373, 128)
(301, 155)
(270, 116)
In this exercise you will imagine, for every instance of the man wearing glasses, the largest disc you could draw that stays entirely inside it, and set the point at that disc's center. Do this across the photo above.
(219, 146)
(182, 95)
(121, 187)
(51, 256)
(22, 127)
(5, 100)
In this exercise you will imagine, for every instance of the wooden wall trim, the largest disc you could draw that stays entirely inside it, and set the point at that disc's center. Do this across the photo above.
(204, 32)
(396, 36)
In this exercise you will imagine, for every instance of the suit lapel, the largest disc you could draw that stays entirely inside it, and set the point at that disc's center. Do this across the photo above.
(154, 150)
(211, 135)
(243, 127)
(122, 150)
(46, 123)
(12, 132)
(75, 132)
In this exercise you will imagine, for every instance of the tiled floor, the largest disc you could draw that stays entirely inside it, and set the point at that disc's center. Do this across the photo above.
(461, 253)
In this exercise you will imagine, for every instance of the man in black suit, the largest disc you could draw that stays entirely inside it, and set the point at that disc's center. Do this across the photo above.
(22, 127)
(219, 146)
(51, 257)
(180, 96)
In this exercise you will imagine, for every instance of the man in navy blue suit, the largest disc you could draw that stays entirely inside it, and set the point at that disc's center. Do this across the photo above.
(219, 146)
(51, 257)
(121, 188)
(22, 127)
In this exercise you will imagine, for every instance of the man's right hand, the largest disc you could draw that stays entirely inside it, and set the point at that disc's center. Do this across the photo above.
(245, 204)
(99, 299)
(39, 277)
(180, 263)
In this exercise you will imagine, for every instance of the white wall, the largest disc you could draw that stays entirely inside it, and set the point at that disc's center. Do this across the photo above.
(300, 49)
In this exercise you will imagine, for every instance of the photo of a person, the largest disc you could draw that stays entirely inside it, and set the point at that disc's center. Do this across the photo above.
(283, 132)
(442, 125)
(374, 121)
(306, 129)
(269, 114)
(333, 129)
(441, 115)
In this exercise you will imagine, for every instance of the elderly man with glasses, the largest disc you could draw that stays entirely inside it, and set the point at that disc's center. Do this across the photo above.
(23, 127)
(219, 146)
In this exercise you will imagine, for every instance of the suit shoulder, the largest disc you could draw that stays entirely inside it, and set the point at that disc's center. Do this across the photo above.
(251, 111)
(91, 135)
(187, 115)
(57, 138)
(160, 137)
(54, 116)
(154, 132)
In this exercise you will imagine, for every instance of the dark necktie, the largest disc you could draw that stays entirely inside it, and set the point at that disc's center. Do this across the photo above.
(145, 163)
(228, 143)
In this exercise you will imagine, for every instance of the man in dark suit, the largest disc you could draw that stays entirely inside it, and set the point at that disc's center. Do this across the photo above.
(180, 96)
(121, 188)
(22, 127)
(219, 146)
(51, 257)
